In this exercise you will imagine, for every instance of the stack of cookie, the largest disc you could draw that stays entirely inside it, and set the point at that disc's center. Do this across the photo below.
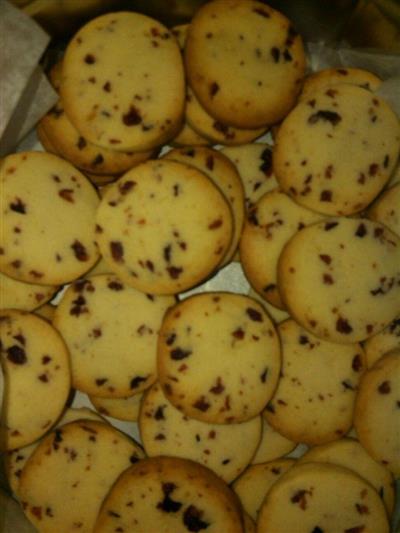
(223, 386)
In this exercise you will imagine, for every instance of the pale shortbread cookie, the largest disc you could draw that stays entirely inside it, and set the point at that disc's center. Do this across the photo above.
(226, 449)
(254, 164)
(170, 495)
(386, 209)
(272, 446)
(249, 523)
(128, 94)
(120, 408)
(357, 137)
(225, 176)
(253, 485)
(35, 362)
(377, 411)
(16, 294)
(46, 311)
(395, 177)
(269, 225)
(48, 219)
(44, 140)
(350, 454)
(340, 279)
(276, 315)
(315, 396)
(385, 341)
(325, 78)
(164, 227)
(244, 61)
(111, 331)
(67, 477)
(218, 357)
(317, 498)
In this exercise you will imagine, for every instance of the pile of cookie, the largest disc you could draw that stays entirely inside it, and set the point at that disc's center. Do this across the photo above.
(155, 176)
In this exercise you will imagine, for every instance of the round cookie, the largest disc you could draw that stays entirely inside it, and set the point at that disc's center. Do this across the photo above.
(164, 227)
(218, 357)
(224, 448)
(315, 396)
(256, 481)
(273, 220)
(46, 311)
(386, 209)
(48, 216)
(67, 141)
(326, 78)
(55, 75)
(357, 135)
(272, 446)
(120, 408)
(44, 140)
(15, 460)
(244, 61)
(98, 316)
(350, 454)
(225, 176)
(276, 315)
(254, 164)
(24, 296)
(395, 177)
(100, 180)
(385, 341)
(340, 278)
(319, 497)
(128, 95)
(249, 524)
(35, 363)
(67, 477)
(377, 413)
(170, 495)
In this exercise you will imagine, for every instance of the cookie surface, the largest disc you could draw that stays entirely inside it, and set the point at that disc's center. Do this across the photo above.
(273, 220)
(66, 478)
(318, 497)
(24, 296)
(340, 278)
(334, 180)
(170, 495)
(225, 176)
(377, 413)
(386, 209)
(35, 363)
(128, 95)
(97, 317)
(385, 341)
(244, 62)
(120, 408)
(218, 357)
(224, 448)
(48, 215)
(315, 396)
(163, 227)
(272, 446)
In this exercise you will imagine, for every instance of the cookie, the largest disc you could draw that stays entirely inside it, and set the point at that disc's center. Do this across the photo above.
(385, 341)
(275, 314)
(128, 95)
(386, 209)
(224, 175)
(224, 448)
(319, 497)
(395, 177)
(340, 279)
(98, 316)
(68, 142)
(218, 357)
(35, 363)
(66, 478)
(326, 78)
(24, 296)
(350, 454)
(100, 180)
(377, 412)
(44, 140)
(314, 400)
(15, 460)
(252, 486)
(244, 62)
(55, 75)
(164, 227)
(48, 215)
(249, 524)
(357, 135)
(170, 495)
(272, 446)
(254, 164)
(120, 408)
(273, 220)
(46, 311)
